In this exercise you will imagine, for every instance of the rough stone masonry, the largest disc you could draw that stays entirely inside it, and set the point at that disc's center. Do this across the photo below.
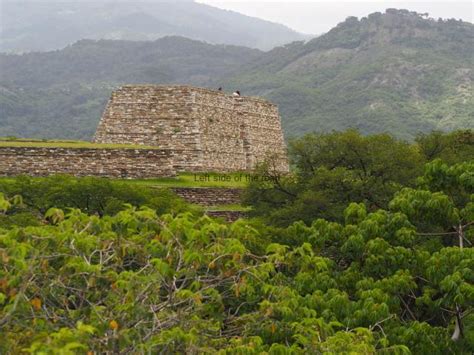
(207, 130)
(189, 129)
(112, 163)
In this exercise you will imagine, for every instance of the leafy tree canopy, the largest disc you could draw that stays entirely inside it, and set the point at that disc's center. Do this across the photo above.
(332, 170)
(393, 280)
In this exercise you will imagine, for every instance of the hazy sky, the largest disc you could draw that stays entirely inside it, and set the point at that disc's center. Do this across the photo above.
(313, 16)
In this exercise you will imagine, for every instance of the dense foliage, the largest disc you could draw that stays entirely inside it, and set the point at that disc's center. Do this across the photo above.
(396, 72)
(332, 170)
(397, 279)
(94, 196)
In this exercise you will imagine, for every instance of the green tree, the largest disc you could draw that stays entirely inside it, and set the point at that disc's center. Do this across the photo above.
(333, 170)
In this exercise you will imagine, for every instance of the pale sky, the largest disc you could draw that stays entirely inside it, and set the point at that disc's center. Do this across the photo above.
(319, 16)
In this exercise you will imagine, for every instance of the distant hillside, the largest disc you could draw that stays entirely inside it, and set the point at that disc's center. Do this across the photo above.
(396, 72)
(62, 94)
(31, 25)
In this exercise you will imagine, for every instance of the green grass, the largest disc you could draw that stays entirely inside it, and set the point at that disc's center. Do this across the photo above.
(31, 143)
(182, 180)
(234, 207)
(196, 180)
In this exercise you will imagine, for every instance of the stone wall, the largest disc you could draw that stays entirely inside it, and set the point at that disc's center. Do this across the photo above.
(209, 196)
(237, 133)
(228, 216)
(113, 163)
(213, 196)
(208, 130)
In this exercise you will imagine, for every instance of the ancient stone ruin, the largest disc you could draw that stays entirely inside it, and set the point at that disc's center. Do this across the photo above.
(206, 130)
(173, 129)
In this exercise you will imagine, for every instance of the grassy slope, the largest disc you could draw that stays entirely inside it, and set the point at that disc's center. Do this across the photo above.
(196, 180)
(184, 180)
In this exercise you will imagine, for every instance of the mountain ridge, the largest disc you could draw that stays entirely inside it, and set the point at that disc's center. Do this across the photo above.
(50, 25)
(63, 93)
(396, 72)
(393, 66)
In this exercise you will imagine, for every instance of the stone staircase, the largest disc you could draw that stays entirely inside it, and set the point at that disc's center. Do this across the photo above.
(209, 197)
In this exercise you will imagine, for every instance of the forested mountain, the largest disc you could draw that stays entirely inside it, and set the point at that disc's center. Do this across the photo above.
(32, 25)
(396, 72)
(63, 93)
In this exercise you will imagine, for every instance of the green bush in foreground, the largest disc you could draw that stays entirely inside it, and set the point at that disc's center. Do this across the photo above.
(91, 195)
(388, 269)
(139, 283)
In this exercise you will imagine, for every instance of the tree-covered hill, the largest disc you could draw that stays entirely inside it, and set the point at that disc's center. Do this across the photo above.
(396, 72)
(62, 94)
(32, 25)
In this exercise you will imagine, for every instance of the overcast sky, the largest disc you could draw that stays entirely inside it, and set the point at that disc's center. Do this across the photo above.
(313, 16)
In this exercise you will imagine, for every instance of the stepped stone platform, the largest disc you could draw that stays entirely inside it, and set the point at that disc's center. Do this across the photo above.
(212, 131)
(229, 216)
(209, 197)
(111, 163)
(149, 131)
